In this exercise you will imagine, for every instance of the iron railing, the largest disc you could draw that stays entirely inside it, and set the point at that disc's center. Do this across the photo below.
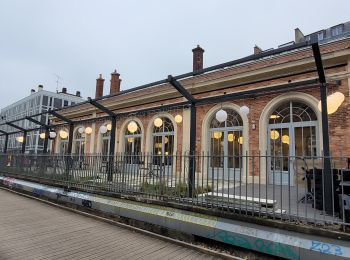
(276, 187)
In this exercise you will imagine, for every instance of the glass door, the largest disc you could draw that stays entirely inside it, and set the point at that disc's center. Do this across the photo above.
(226, 154)
(163, 153)
(287, 145)
(281, 168)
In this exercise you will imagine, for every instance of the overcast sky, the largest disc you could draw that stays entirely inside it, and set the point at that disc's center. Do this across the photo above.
(144, 40)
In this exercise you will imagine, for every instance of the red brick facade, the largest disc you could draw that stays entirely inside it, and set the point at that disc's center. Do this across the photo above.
(280, 69)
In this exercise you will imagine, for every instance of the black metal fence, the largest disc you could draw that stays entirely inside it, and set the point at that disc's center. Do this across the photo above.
(277, 187)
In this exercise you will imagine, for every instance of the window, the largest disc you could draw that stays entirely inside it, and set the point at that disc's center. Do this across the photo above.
(132, 143)
(292, 133)
(79, 147)
(337, 30)
(163, 142)
(45, 100)
(65, 103)
(226, 141)
(57, 103)
(320, 36)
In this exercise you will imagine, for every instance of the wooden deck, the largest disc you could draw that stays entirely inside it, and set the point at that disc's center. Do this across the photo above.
(30, 229)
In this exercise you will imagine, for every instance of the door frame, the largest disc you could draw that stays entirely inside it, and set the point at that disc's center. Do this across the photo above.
(220, 171)
(292, 153)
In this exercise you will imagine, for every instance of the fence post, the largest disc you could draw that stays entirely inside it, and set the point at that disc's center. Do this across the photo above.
(111, 149)
(192, 154)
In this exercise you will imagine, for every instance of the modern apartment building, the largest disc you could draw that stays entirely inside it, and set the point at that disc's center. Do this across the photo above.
(37, 102)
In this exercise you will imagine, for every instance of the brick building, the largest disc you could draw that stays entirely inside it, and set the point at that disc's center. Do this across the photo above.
(284, 122)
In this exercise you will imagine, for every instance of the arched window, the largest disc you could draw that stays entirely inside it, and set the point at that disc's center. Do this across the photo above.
(292, 132)
(79, 143)
(105, 142)
(133, 140)
(63, 141)
(163, 142)
(226, 141)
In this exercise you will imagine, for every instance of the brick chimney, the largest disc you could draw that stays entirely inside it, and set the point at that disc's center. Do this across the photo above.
(115, 83)
(197, 58)
(99, 86)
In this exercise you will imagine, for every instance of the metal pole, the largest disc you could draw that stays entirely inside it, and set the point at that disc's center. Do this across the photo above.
(192, 162)
(46, 140)
(327, 173)
(70, 138)
(24, 142)
(6, 142)
(111, 149)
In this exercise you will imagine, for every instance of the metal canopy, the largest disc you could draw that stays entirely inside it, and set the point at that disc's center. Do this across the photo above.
(63, 118)
(181, 89)
(16, 126)
(182, 76)
(101, 107)
(36, 122)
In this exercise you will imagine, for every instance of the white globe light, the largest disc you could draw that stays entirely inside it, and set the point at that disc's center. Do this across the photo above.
(240, 140)
(285, 139)
(244, 110)
(166, 140)
(333, 102)
(88, 130)
(274, 134)
(217, 135)
(178, 119)
(20, 139)
(230, 137)
(63, 134)
(158, 122)
(221, 115)
(52, 134)
(42, 135)
(132, 127)
(109, 127)
(339, 97)
(81, 130)
(103, 129)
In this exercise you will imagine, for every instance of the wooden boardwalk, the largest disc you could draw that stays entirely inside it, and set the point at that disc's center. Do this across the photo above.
(30, 229)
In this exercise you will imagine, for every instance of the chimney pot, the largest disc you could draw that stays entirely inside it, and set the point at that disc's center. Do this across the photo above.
(197, 58)
(64, 90)
(77, 93)
(115, 83)
(40, 87)
(257, 50)
(32, 91)
(99, 86)
(299, 36)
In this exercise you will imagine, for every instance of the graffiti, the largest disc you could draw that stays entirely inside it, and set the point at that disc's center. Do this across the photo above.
(268, 247)
(86, 203)
(232, 239)
(326, 248)
(170, 214)
(275, 248)
(60, 196)
(18, 186)
(8, 181)
(38, 192)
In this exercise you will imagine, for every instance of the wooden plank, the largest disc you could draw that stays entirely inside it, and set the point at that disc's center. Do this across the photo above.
(33, 230)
